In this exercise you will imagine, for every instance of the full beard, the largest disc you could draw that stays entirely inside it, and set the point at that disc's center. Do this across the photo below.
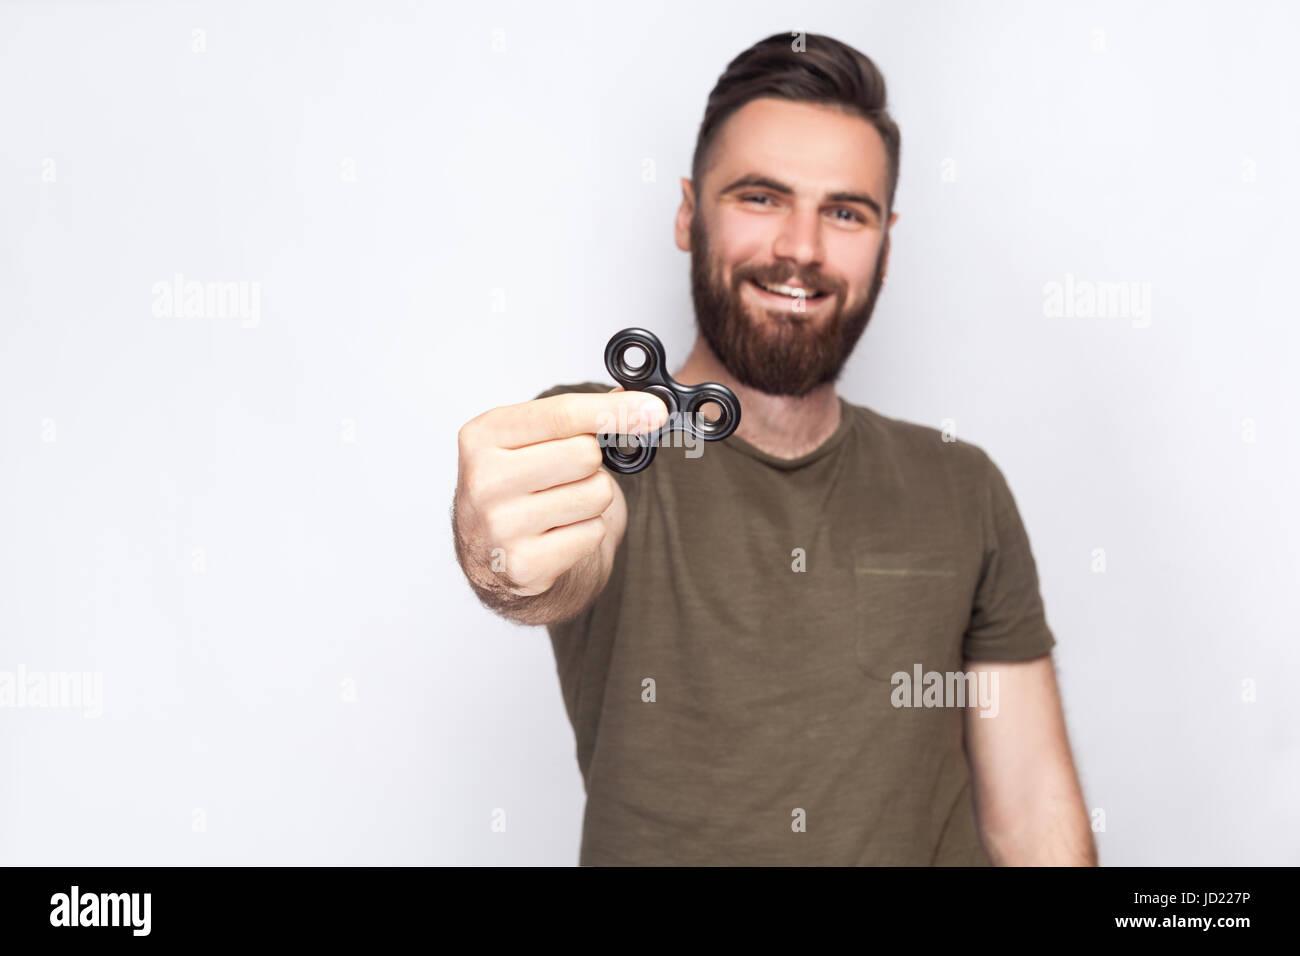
(790, 356)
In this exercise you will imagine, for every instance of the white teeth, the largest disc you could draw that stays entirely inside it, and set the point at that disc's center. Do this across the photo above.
(787, 290)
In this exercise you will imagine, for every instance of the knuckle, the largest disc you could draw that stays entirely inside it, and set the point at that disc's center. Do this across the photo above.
(604, 490)
(484, 475)
(494, 525)
(593, 535)
(592, 455)
(531, 571)
(471, 481)
(480, 481)
(519, 569)
(466, 438)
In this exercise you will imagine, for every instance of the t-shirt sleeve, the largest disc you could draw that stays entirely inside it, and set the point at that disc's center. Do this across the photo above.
(1007, 619)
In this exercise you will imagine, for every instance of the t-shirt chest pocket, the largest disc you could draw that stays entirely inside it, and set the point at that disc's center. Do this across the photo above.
(913, 608)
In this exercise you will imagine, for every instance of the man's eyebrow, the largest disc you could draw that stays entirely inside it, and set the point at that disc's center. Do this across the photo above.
(756, 180)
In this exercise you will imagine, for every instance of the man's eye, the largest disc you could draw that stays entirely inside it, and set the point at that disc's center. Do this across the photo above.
(760, 199)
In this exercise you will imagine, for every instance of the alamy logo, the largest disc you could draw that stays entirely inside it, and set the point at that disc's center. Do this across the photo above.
(1086, 299)
(677, 431)
(68, 690)
(946, 689)
(102, 909)
(179, 299)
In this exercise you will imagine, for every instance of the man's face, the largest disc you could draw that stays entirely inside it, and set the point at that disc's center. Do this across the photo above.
(788, 201)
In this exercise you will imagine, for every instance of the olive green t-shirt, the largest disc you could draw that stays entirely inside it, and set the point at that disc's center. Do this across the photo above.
(732, 688)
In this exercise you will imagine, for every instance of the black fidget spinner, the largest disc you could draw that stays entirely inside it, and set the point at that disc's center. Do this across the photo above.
(684, 402)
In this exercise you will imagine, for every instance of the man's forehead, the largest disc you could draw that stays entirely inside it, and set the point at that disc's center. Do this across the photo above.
(812, 147)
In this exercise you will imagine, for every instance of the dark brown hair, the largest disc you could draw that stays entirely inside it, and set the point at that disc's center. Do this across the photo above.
(825, 71)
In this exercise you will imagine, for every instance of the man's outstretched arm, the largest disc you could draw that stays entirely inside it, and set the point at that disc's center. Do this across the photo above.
(1028, 802)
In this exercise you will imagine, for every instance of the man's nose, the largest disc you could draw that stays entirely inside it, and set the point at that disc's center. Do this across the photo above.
(800, 238)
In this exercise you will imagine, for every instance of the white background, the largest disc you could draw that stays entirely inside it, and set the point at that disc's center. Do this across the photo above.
(202, 533)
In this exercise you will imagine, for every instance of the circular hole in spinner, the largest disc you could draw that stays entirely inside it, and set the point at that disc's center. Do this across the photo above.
(634, 361)
(710, 416)
(629, 459)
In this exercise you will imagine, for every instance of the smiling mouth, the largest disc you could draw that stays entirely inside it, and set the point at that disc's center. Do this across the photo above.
(787, 293)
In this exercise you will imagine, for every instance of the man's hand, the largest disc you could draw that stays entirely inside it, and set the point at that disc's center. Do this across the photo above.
(1027, 797)
(533, 502)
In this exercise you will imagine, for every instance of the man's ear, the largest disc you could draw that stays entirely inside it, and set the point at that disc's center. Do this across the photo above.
(685, 212)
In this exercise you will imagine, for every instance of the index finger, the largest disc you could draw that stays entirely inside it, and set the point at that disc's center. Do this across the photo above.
(574, 413)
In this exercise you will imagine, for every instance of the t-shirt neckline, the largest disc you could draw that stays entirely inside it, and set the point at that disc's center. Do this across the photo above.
(836, 439)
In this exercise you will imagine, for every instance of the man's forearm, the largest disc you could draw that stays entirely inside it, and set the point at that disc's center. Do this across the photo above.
(566, 598)
(1054, 832)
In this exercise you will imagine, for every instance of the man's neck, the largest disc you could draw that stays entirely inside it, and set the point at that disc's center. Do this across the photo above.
(776, 424)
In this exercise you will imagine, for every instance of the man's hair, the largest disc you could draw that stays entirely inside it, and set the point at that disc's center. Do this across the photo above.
(825, 71)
